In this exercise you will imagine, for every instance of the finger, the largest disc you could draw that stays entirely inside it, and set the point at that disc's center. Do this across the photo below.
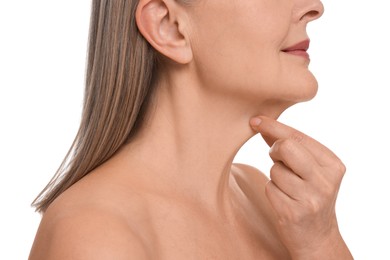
(287, 181)
(277, 198)
(296, 157)
(272, 130)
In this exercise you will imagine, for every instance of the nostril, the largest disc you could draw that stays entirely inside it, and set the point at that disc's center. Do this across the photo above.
(310, 11)
(311, 14)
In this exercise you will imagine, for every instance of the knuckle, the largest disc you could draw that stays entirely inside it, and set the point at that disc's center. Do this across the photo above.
(339, 168)
(297, 137)
(286, 146)
(313, 206)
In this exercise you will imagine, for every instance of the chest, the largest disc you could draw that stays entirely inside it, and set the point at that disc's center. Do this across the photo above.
(194, 238)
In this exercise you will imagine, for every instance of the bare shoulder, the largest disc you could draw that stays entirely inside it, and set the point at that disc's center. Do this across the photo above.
(89, 233)
(251, 183)
(259, 214)
(248, 177)
(91, 221)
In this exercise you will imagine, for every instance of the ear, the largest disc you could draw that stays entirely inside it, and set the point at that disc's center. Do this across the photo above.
(160, 24)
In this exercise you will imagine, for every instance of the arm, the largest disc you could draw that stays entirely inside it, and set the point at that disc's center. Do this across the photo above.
(332, 248)
(86, 236)
(305, 180)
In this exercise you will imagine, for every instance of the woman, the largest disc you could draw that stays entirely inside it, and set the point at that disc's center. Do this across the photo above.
(174, 89)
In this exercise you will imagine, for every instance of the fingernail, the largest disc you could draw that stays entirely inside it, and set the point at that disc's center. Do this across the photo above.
(255, 121)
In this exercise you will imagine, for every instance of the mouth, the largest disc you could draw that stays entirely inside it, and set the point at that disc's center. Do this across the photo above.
(299, 49)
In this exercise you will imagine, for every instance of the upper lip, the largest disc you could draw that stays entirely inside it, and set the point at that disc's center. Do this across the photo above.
(303, 45)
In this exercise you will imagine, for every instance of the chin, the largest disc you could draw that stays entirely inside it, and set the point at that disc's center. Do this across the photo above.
(301, 90)
(274, 108)
(304, 90)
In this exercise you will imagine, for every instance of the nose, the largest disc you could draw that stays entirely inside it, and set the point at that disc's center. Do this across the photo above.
(309, 10)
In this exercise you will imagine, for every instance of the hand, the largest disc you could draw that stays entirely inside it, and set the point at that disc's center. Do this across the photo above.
(305, 180)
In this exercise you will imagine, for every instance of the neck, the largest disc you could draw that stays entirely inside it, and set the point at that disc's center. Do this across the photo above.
(189, 141)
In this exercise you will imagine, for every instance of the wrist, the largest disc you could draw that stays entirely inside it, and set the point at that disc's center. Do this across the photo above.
(332, 247)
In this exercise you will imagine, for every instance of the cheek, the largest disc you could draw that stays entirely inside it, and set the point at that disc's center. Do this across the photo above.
(242, 56)
(239, 57)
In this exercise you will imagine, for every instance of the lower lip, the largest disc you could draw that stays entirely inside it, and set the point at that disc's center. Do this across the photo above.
(299, 53)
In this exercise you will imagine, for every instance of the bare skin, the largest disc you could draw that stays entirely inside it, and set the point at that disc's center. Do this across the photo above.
(173, 192)
(115, 214)
(116, 221)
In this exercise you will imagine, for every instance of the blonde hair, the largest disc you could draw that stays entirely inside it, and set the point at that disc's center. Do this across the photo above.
(121, 67)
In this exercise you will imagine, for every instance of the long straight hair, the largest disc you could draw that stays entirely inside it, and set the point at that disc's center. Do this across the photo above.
(121, 67)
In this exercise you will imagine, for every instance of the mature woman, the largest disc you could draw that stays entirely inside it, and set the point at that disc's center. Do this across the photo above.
(174, 88)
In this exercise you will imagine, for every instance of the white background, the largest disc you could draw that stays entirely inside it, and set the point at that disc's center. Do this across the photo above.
(42, 58)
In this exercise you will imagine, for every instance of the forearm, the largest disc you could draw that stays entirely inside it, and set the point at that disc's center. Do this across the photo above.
(333, 248)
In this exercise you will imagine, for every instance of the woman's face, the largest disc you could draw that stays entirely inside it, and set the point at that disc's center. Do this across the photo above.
(238, 48)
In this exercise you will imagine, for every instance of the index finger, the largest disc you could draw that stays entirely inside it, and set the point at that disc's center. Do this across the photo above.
(272, 130)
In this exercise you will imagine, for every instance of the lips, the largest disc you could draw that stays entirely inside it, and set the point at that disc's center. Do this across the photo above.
(299, 49)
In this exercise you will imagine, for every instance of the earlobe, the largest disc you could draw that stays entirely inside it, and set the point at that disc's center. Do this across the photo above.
(158, 21)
